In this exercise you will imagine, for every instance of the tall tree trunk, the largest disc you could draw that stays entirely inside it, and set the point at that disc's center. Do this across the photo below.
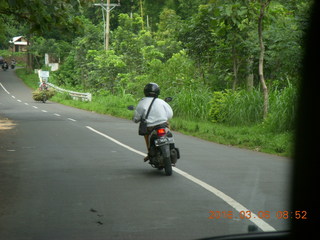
(263, 5)
(29, 55)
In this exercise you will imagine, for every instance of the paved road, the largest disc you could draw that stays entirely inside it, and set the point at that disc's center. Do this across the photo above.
(72, 174)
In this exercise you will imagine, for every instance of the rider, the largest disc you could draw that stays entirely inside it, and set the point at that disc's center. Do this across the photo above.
(43, 85)
(13, 63)
(5, 65)
(160, 111)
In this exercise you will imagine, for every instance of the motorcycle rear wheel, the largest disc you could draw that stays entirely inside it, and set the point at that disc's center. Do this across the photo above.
(167, 166)
(44, 98)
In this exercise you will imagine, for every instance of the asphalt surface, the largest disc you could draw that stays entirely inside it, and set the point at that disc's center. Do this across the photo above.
(61, 180)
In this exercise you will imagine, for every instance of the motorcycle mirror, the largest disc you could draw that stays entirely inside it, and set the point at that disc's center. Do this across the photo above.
(168, 99)
(131, 107)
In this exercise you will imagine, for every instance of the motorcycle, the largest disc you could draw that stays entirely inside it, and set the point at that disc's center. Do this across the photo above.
(162, 154)
(44, 96)
(43, 89)
(5, 66)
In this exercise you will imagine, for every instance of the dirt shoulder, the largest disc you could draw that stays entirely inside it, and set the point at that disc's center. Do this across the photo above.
(6, 124)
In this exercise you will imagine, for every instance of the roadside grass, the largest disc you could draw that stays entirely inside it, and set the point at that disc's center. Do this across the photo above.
(255, 137)
(112, 105)
(31, 80)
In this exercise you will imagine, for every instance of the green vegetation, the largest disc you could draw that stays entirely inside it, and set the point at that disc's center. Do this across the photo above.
(257, 137)
(231, 82)
(31, 80)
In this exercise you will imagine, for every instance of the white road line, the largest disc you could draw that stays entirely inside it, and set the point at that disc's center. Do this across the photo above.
(19, 100)
(4, 88)
(26, 103)
(71, 119)
(44, 110)
(117, 142)
(35, 107)
(264, 226)
(13, 96)
(56, 114)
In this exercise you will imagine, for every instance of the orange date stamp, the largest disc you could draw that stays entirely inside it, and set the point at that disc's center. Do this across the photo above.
(258, 215)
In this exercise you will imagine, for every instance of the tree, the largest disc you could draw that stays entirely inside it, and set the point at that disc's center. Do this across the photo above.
(128, 40)
(196, 37)
(167, 34)
(43, 15)
(233, 23)
(104, 69)
(283, 34)
(263, 6)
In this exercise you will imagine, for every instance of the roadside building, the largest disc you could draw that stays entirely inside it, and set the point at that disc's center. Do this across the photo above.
(18, 44)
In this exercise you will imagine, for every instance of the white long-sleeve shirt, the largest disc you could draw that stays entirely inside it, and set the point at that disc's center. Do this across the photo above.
(160, 111)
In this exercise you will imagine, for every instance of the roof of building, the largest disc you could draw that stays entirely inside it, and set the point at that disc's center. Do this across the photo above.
(17, 41)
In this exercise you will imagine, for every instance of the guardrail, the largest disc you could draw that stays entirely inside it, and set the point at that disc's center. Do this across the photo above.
(74, 95)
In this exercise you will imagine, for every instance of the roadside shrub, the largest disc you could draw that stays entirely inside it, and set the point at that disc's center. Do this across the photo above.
(236, 107)
(244, 107)
(191, 103)
(240, 108)
(282, 109)
(217, 111)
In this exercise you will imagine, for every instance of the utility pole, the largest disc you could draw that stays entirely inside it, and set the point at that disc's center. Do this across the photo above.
(106, 19)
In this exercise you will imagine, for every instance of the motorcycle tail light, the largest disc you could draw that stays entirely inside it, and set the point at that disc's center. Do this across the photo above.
(161, 132)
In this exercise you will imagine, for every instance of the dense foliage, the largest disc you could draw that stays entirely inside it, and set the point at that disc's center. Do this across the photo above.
(204, 53)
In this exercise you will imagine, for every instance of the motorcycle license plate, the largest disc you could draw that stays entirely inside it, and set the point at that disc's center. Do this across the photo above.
(162, 141)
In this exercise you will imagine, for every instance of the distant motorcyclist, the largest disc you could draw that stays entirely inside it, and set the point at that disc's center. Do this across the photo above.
(160, 111)
(13, 63)
(5, 66)
(43, 85)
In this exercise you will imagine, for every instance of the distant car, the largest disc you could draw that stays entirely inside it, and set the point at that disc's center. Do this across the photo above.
(1, 60)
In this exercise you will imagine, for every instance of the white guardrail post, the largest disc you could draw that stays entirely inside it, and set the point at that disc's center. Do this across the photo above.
(74, 95)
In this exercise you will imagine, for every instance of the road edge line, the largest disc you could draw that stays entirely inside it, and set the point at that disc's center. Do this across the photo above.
(4, 88)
